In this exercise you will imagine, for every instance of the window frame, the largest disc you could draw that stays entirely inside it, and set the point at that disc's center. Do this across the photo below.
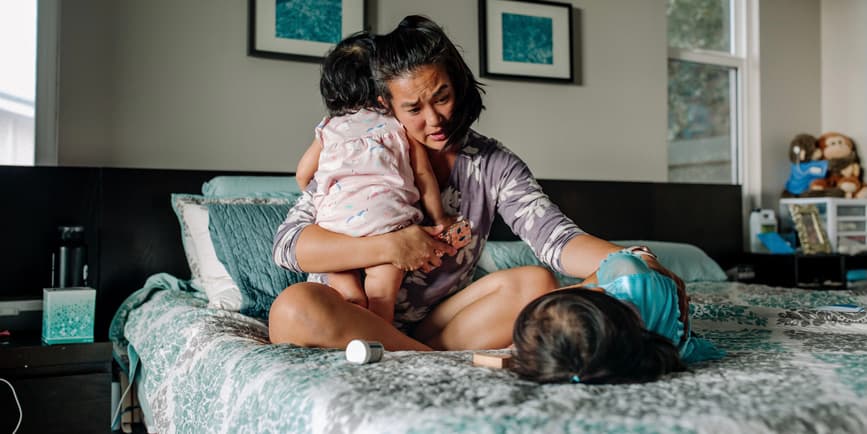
(745, 107)
(47, 82)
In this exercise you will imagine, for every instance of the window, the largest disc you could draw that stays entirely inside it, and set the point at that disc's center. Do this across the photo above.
(707, 59)
(17, 82)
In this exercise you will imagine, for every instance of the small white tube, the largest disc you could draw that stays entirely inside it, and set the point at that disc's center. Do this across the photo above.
(361, 352)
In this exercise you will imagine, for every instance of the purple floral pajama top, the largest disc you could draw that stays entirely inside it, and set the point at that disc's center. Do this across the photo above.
(486, 179)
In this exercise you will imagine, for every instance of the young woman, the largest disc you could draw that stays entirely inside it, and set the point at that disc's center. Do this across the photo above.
(428, 87)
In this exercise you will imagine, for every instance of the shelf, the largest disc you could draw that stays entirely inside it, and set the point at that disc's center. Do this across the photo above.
(805, 271)
(844, 220)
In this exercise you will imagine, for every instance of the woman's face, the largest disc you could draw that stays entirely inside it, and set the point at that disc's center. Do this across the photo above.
(422, 101)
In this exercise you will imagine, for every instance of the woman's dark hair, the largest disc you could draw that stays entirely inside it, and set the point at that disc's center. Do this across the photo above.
(347, 84)
(589, 336)
(416, 42)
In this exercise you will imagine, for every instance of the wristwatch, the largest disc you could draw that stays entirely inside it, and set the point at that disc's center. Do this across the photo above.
(641, 250)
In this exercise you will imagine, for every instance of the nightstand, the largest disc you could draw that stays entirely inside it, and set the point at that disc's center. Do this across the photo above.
(824, 271)
(61, 388)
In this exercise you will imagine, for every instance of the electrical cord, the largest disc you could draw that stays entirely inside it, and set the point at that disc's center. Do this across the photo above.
(119, 404)
(18, 403)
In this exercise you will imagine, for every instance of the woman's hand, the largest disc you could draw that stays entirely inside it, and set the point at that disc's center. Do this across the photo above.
(416, 247)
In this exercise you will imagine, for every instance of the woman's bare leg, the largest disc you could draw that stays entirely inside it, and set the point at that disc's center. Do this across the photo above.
(482, 315)
(315, 315)
(348, 284)
(381, 285)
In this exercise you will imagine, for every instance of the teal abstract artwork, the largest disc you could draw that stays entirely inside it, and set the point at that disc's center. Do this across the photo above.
(310, 20)
(528, 39)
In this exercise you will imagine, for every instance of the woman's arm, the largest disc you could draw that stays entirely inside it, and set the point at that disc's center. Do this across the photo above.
(583, 253)
(532, 216)
(411, 248)
(554, 237)
(586, 252)
(302, 246)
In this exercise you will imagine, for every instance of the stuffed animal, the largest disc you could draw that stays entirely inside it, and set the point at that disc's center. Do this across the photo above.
(844, 168)
(804, 148)
(807, 168)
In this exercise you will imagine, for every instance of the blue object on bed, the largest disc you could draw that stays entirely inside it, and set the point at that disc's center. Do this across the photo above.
(243, 235)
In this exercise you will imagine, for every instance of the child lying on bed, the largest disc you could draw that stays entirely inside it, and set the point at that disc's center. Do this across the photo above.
(631, 326)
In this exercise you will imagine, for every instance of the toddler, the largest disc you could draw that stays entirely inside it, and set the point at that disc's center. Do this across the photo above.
(631, 327)
(369, 175)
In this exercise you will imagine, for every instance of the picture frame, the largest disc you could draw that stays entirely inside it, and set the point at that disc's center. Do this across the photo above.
(301, 30)
(526, 40)
(811, 233)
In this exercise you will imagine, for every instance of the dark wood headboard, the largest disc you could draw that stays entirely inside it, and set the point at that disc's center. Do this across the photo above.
(133, 233)
(706, 215)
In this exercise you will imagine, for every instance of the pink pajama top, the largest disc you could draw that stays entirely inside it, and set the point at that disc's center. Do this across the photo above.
(365, 183)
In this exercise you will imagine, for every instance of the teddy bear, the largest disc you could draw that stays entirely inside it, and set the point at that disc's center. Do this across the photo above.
(808, 167)
(844, 168)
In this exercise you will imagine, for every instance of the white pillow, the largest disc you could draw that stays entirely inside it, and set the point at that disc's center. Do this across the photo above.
(213, 277)
(208, 273)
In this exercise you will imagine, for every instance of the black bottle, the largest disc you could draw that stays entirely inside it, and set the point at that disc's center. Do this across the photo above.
(70, 260)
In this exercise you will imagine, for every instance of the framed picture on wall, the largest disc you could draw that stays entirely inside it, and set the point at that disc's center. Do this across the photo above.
(526, 40)
(301, 30)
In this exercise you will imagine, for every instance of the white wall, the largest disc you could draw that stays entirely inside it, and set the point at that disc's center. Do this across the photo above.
(168, 84)
(790, 85)
(844, 69)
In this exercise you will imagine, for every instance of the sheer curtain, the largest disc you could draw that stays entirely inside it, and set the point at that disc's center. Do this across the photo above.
(17, 81)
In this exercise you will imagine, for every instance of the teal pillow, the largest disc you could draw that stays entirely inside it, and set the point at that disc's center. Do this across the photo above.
(686, 260)
(251, 186)
(689, 262)
(499, 255)
(243, 235)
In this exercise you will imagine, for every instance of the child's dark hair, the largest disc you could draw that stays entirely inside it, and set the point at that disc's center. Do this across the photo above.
(416, 42)
(347, 84)
(591, 337)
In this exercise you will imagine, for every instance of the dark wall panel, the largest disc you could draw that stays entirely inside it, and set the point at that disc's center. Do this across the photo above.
(35, 202)
(140, 234)
(706, 215)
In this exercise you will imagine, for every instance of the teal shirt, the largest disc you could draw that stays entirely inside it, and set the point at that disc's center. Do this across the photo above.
(626, 277)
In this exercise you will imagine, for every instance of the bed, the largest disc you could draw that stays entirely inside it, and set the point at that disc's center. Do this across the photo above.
(201, 360)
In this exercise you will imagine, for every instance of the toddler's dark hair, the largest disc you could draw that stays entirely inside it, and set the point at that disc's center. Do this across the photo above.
(347, 84)
(416, 42)
(590, 336)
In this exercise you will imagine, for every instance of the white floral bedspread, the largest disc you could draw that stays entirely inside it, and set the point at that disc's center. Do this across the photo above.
(789, 368)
